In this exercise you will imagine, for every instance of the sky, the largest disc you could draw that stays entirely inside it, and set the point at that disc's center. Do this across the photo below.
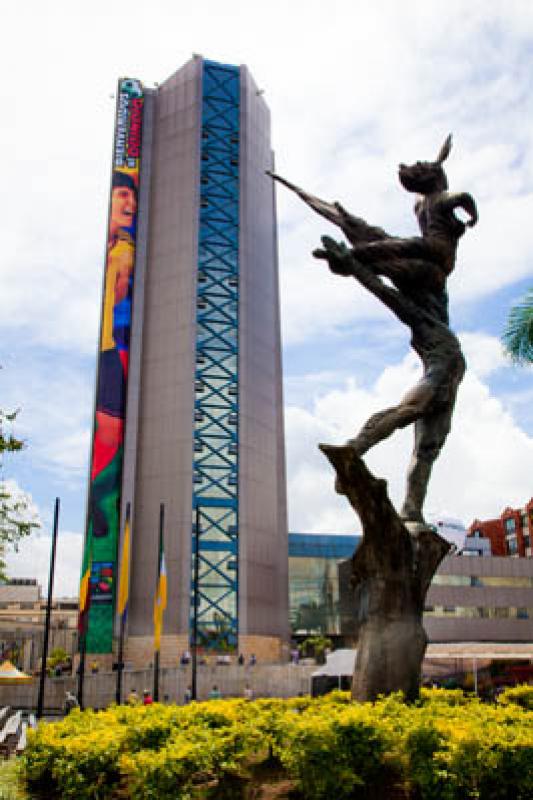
(354, 89)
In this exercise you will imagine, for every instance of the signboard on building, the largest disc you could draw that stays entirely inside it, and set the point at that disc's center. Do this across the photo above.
(103, 518)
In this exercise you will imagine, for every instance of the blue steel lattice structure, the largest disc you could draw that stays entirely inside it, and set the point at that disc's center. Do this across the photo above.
(216, 402)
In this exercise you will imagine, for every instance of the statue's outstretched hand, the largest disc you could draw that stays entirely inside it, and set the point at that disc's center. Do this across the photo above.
(337, 255)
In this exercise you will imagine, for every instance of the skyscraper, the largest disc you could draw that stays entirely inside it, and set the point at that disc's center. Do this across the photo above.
(189, 398)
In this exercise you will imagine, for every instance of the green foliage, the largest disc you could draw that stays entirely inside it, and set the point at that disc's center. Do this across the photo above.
(518, 334)
(16, 517)
(315, 647)
(8, 443)
(10, 786)
(446, 747)
(57, 656)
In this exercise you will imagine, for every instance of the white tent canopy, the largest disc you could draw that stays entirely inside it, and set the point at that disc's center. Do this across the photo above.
(340, 662)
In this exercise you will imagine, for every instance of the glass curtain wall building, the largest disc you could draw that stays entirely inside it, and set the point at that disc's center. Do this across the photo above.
(471, 599)
(314, 581)
(203, 425)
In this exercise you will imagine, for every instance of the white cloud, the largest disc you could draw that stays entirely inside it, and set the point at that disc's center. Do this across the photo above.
(486, 463)
(55, 398)
(484, 354)
(33, 561)
(352, 91)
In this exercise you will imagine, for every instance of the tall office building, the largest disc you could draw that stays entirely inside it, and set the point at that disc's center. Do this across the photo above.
(189, 397)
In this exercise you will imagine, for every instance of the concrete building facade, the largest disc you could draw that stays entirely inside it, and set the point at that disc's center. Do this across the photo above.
(22, 619)
(203, 425)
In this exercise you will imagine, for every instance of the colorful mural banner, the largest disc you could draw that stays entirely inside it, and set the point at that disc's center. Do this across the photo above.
(103, 518)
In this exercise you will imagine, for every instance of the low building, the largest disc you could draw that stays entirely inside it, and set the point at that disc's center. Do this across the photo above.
(22, 618)
(510, 534)
(482, 600)
(470, 599)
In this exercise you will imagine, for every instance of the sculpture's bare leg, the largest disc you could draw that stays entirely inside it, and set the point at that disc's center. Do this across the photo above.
(430, 434)
(381, 425)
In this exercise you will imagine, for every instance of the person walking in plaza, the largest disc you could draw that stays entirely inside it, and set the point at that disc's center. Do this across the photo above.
(133, 698)
(147, 698)
(70, 702)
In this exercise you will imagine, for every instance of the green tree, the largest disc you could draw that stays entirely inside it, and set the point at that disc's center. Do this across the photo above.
(518, 334)
(17, 519)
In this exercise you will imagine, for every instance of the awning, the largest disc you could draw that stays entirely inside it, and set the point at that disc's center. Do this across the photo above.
(10, 674)
(340, 662)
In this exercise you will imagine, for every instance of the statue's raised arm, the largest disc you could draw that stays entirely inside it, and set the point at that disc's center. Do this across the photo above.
(354, 228)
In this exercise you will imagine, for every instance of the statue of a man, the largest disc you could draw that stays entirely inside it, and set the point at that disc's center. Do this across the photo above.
(417, 267)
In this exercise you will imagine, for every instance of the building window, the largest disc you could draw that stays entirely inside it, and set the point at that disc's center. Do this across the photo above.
(510, 525)
(512, 546)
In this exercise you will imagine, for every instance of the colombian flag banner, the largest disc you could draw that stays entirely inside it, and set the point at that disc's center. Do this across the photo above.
(124, 585)
(160, 601)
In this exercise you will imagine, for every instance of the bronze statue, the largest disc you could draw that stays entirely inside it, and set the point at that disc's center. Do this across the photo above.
(394, 565)
(418, 268)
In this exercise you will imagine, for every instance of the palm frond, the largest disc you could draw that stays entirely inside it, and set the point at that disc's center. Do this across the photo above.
(518, 334)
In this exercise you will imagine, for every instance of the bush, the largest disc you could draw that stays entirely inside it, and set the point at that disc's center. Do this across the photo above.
(518, 696)
(446, 747)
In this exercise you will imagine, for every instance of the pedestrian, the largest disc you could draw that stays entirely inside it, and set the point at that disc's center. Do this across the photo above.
(147, 698)
(215, 693)
(70, 702)
(253, 660)
(240, 660)
(133, 698)
(187, 697)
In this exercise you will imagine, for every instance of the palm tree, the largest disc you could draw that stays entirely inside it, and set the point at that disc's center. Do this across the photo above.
(518, 334)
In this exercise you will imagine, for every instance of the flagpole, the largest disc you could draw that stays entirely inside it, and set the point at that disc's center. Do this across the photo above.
(123, 576)
(83, 623)
(44, 657)
(194, 659)
(120, 663)
(81, 667)
(156, 653)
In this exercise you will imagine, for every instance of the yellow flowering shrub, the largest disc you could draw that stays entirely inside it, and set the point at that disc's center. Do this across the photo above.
(519, 696)
(448, 746)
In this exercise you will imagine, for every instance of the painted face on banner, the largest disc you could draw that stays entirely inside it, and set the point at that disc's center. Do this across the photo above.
(123, 207)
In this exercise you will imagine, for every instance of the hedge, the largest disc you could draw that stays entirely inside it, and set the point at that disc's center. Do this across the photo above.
(448, 746)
